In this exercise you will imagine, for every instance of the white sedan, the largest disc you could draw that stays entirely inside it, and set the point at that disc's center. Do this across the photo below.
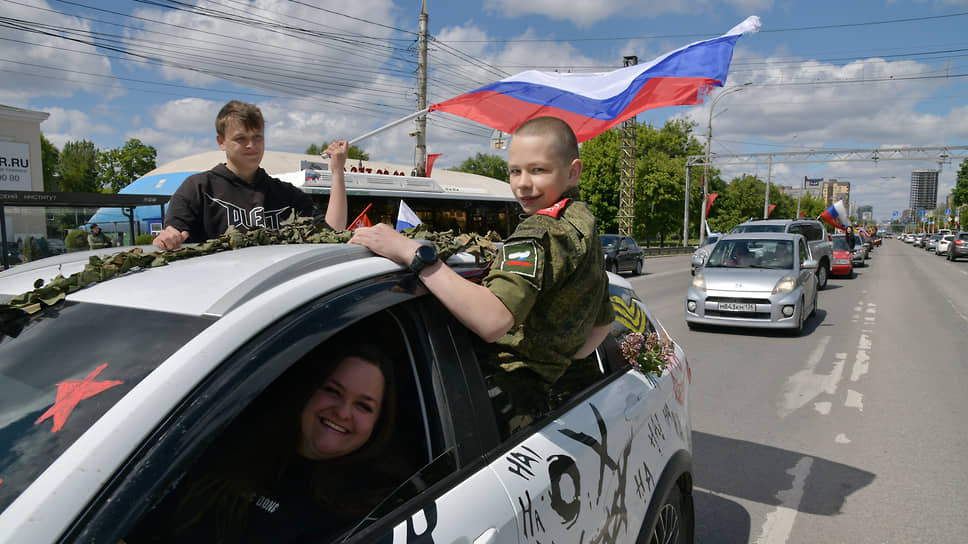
(111, 396)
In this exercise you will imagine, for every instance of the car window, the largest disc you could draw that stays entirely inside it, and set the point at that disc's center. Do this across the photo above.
(66, 368)
(804, 252)
(387, 312)
(753, 227)
(963, 236)
(840, 244)
(609, 242)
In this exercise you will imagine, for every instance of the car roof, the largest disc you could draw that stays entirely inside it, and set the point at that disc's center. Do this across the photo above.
(205, 285)
(761, 236)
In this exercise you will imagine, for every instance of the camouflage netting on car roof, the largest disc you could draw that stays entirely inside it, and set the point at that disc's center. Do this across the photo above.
(19, 309)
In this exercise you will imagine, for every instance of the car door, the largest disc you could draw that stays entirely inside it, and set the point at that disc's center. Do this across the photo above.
(808, 277)
(446, 482)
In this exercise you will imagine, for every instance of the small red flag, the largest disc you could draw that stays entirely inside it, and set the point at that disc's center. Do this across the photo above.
(361, 220)
(709, 203)
(430, 162)
(770, 210)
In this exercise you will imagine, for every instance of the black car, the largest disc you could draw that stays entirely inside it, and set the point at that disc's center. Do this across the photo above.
(622, 254)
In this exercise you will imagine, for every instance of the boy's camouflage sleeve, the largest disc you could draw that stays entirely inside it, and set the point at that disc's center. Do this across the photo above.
(516, 276)
(606, 314)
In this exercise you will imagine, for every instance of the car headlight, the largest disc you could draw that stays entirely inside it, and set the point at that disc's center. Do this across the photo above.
(699, 282)
(785, 285)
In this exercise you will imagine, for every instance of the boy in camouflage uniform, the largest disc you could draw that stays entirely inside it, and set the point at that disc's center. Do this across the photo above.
(545, 301)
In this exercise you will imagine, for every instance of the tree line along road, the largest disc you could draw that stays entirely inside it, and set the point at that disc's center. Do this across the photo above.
(854, 432)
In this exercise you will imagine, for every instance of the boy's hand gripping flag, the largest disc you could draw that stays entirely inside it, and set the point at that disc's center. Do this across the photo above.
(592, 103)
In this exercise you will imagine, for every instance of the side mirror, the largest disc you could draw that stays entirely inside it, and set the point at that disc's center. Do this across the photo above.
(699, 259)
(809, 264)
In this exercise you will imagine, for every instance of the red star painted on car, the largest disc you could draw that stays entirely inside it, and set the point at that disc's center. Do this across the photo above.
(71, 392)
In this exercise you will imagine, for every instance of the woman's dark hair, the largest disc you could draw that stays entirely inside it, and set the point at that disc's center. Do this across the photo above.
(252, 456)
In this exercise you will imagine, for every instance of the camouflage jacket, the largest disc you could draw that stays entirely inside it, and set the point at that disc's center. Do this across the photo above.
(551, 276)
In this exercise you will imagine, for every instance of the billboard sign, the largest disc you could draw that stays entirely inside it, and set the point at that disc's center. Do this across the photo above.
(14, 166)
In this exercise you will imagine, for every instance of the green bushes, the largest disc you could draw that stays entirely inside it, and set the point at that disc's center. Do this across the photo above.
(76, 240)
(144, 239)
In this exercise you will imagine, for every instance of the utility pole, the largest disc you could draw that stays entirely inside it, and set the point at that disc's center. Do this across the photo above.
(705, 167)
(421, 152)
(626, 200)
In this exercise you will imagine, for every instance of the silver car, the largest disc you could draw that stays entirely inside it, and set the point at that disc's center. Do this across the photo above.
(755, 280)
(702, 252)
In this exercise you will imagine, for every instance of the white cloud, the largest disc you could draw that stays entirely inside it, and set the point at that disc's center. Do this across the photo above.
(66, 125)
(584, 14)
(194, 115)
(47, 65)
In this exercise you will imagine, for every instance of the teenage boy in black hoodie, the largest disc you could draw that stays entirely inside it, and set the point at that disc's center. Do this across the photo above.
(241, 194)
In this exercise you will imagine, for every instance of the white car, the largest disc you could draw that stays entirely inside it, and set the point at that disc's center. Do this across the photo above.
(110, 396)
(943, 243)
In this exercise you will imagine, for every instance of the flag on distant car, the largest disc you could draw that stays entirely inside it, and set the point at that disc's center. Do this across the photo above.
(836, 215)
(592, 103)
(406, 218)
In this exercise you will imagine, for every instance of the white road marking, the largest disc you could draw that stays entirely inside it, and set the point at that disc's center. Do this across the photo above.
(854, 400)
(806, 385)
(842, 439)
(822, 407)
(779, 523)
(862, 359)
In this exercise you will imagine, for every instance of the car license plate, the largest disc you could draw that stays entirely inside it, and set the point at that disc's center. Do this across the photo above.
(737, 307)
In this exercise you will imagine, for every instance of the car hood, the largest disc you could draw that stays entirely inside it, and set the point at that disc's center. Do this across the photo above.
(743, 279)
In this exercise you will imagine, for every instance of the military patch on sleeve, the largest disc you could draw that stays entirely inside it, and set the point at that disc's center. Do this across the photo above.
(520, 258)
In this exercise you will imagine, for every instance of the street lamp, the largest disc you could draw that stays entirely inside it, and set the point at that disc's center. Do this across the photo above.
(705, 167)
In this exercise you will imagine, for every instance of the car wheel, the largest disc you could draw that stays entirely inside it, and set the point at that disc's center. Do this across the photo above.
(614, 268)
(813, 311)
(822, 274)
(638, 268)
(674, 524)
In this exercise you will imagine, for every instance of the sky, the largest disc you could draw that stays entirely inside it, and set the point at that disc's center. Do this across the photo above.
(822, 75)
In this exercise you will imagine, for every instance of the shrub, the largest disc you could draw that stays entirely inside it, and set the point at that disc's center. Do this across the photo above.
(144, 239)
(76, 240)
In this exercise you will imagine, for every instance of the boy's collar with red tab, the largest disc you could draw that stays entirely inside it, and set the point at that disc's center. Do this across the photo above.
(555, 209)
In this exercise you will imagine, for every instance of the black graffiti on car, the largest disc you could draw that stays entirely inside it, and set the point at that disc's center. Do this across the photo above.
(672, 420)
(644, 481)
(521, 462)
(560, 466)
(655, 433)
(531, 518)
(600, 448)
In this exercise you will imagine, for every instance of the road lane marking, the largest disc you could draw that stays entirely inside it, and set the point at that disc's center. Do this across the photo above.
(854, 400)
(779, 523)
(862, 359)
(806, 385)
(822, 407)
(842, 439)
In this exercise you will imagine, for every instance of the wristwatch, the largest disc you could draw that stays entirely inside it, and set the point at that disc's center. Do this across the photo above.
(424, 256)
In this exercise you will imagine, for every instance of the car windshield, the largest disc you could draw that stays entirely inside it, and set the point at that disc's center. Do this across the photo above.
(743, 253)
(711, 240)
(840, 244)
(67, 367)
(758, 228)
(610, 242)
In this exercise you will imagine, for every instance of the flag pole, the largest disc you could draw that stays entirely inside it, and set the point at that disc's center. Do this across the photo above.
(383, 128)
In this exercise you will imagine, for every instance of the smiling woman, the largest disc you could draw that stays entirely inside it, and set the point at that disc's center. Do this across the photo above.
(301, 461)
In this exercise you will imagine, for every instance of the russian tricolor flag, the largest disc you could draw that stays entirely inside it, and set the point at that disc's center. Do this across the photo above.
(836, 215)
(406, 218)
(592, 103)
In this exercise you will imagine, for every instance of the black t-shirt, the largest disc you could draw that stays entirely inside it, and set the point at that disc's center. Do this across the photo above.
(288, 513)
(207, 203)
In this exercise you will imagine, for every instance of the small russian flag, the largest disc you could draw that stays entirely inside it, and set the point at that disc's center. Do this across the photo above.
(836, 215)
(406, 218)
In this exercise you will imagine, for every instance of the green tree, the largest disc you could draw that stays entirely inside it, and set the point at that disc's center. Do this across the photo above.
(49, 156)
(484, 164)
(77, 167)
(961, 184)
(118, 167)
(352, 153)
(600, 175)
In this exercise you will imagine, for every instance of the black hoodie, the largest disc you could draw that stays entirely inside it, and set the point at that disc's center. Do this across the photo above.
(208, 202)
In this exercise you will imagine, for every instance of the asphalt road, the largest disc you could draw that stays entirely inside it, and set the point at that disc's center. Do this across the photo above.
(855, 432)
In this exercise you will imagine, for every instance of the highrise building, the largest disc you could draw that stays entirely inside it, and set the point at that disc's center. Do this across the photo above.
(833, 190)
(924, 190)
(865, 213)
